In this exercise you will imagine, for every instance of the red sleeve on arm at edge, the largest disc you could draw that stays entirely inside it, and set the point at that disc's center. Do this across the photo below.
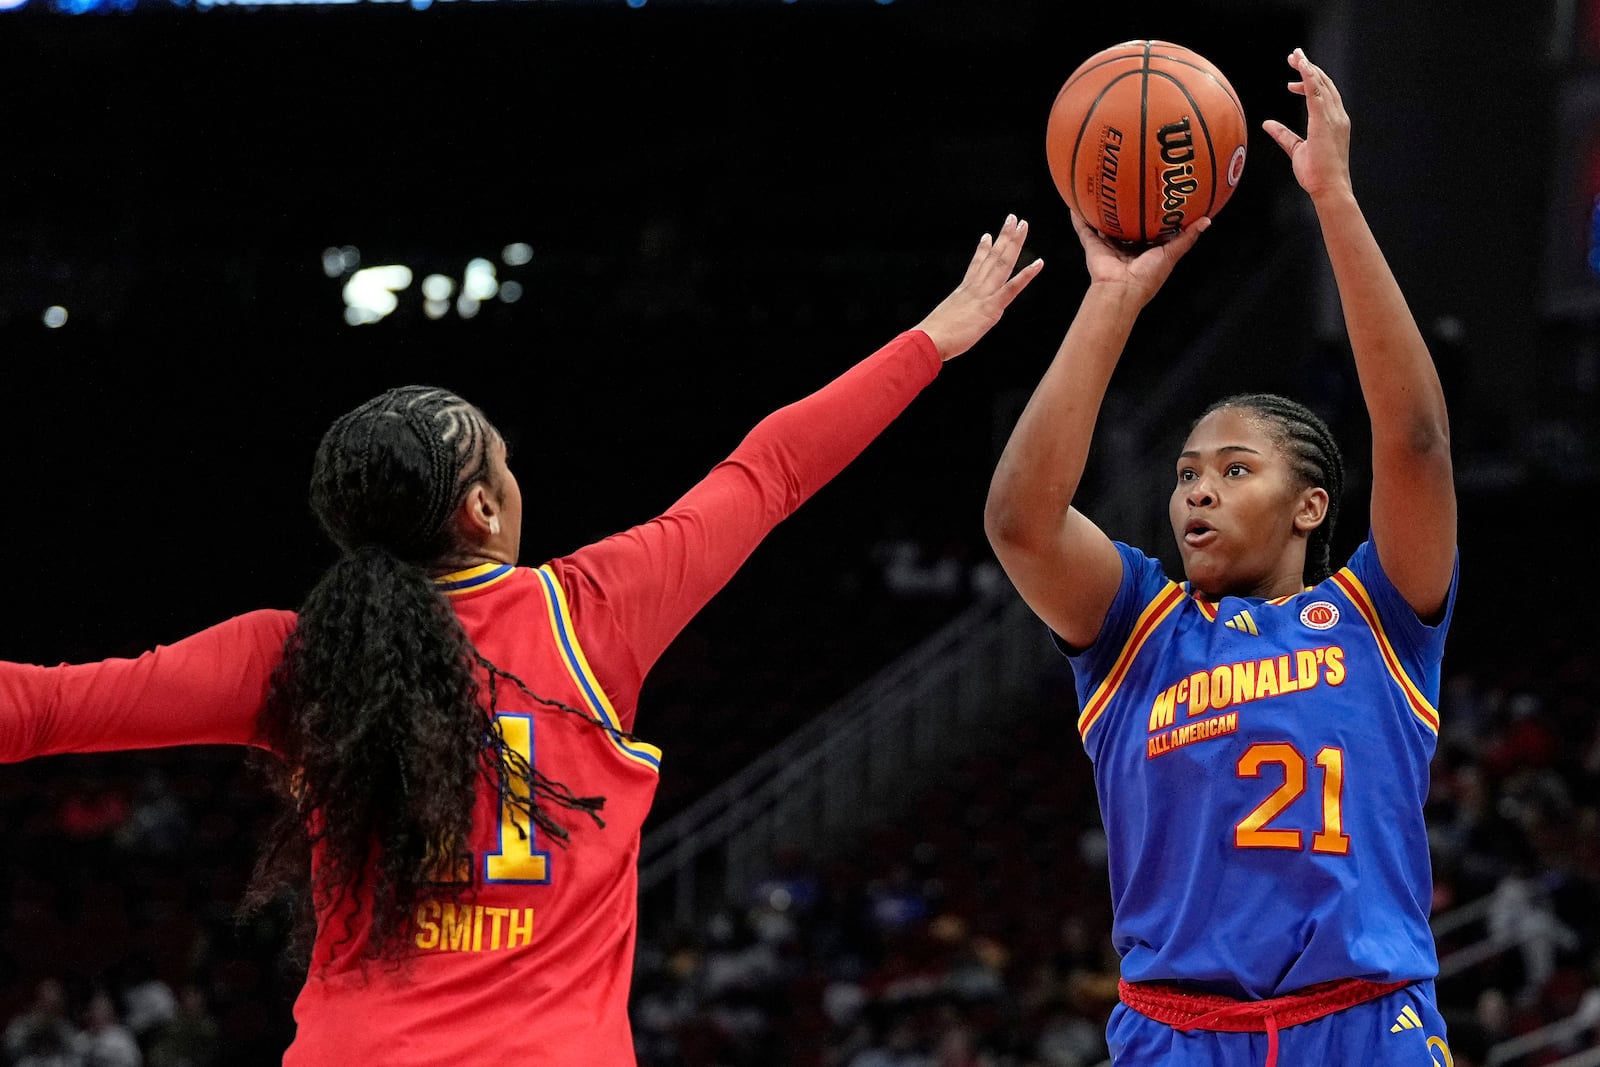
(649, 581)
(204, 689)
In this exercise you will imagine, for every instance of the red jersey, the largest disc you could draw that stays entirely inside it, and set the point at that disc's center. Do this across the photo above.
(534, 961)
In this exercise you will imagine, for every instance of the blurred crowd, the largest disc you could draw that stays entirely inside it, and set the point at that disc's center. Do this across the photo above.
(120, 944)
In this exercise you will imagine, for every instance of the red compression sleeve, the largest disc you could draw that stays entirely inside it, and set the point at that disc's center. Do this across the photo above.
(204, 689)
(655, 577)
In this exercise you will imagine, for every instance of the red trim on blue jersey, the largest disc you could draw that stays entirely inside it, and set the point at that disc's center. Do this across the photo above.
(1357, 593)
(1158, 609)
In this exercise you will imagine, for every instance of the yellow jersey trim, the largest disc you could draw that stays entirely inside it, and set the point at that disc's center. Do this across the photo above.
(1357, 593)
(560, 617)
(1154, 612)
(473, 579)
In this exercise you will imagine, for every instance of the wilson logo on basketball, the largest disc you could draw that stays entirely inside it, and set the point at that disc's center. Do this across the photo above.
(1320, 615)
(1178, 182)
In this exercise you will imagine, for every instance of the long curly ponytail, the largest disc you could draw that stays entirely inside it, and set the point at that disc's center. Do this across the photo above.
(375, 712)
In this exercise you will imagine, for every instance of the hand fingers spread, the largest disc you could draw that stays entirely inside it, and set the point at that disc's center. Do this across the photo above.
(1012, 234)
(1331, 91)
(979, 256)
(1002, 254)
(1019, 281)
(1315, 78)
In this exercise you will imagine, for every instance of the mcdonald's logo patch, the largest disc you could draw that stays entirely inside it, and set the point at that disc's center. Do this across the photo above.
(1320, 615)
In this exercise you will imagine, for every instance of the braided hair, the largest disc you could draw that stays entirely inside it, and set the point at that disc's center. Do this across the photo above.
(374, 713)
(1313, 456)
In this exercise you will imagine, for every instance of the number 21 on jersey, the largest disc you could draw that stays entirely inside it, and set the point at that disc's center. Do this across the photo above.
(1253, 830)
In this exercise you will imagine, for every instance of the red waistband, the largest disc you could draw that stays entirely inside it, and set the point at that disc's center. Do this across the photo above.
(1184, 1010)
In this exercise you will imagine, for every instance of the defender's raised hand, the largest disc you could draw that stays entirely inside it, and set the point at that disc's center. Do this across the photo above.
(985, 291)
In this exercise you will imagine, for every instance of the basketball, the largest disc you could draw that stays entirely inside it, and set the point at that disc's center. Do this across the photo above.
(1145, 138)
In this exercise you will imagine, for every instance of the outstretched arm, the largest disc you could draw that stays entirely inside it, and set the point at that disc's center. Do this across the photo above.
(203, 690)
(1413, 489)
(1062, 564)
(656, 576)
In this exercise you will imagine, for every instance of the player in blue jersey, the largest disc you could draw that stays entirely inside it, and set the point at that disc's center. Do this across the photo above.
(1261, 732)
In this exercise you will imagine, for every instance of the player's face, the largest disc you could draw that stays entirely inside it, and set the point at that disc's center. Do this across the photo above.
(1234, 510)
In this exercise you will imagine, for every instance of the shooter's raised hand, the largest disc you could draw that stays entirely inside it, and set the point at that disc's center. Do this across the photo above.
(1321, 158)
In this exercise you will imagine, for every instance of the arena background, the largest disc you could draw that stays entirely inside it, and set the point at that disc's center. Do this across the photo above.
(704, 210)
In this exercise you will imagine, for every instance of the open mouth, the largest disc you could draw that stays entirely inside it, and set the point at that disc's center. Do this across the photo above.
(1198, 533)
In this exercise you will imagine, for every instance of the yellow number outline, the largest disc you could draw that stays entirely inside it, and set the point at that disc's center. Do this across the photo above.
(1252, 831)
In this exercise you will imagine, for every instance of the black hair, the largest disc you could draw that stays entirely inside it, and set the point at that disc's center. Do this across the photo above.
(375, 714)
(1314, 457)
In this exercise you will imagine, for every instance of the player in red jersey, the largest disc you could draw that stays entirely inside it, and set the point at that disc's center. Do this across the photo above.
(454, 731)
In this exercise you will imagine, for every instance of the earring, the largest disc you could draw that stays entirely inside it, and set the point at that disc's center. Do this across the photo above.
(494, 524)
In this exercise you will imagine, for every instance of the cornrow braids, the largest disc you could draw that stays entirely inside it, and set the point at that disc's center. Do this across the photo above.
(391, 471)
(374, 714)
(1314, 456)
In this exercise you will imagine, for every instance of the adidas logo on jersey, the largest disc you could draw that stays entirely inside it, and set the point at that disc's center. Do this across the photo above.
(1408, 1020)
(1244, 624)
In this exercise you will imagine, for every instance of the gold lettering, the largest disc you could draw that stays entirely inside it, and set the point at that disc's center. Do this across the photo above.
(1221, 687)
(522, 930)
(455, 927)
(1335, 665)
(1161, 714)
(1199, 693)
(1286, 681)
(1244, 682)
(427, 929)
(1305, 664)
(495, 915)
(1266, 680)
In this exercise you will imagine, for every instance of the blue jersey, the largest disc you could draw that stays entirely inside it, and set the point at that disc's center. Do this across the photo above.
(1261, 768)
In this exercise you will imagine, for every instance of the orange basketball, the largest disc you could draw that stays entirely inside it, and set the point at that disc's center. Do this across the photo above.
(1145, 138)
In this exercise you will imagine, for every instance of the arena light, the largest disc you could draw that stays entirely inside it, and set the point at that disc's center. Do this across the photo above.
(372, 294)
(337, 262)
(438, 287)
(369, 294)
(480, 282)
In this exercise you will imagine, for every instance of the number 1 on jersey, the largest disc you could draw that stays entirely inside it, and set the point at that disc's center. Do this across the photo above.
(516, 860)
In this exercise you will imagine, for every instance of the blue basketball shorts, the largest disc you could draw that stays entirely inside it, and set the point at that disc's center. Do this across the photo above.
(1400, 1029)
